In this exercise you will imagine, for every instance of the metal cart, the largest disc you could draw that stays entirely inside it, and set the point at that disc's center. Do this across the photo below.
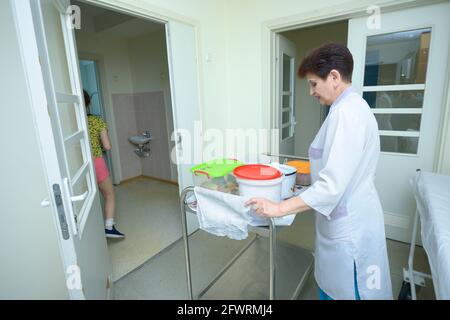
(412, 277)
(303, 263)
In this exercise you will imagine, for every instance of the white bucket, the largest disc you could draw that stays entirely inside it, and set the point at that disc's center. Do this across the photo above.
(289, 177)
(269, 189)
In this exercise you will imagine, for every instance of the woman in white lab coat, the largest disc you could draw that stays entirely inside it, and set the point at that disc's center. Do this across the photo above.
(350, 254)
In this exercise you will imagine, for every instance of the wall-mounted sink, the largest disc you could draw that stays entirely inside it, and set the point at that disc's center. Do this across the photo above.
(140, 140)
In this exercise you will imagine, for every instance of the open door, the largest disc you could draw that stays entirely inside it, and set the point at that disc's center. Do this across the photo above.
(285, 94)
(399, 71)
(50, 58)
(183, 69)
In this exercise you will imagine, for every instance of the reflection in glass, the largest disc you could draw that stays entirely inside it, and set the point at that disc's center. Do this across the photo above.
(398, 122)
(394, 99)
(397, 58)
(407, 145)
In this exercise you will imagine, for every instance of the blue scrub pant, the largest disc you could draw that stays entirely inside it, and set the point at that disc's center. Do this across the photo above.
(324, 296)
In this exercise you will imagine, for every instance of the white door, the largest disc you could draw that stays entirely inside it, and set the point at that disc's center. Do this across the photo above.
(182, 57)
(285, 94)
(399, 70)
(50, 59)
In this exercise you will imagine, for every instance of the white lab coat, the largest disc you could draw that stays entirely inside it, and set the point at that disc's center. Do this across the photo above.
(349, 217)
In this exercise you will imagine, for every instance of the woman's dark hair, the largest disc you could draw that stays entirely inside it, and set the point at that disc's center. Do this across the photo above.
(330, 56)
(87, 98)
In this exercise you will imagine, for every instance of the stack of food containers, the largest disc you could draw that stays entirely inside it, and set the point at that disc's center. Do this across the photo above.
(303, 172)
(289, 179)
(217, 175)
(259, 180)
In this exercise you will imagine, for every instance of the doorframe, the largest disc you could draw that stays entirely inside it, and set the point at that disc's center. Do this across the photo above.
(333, 14)
(314, 18)
(160, 15)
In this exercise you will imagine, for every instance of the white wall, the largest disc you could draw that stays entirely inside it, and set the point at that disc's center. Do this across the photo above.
(232, 34)
(308, 111)
(446, 157)
(31, 266)
(445, 168)
(209, 17)
(234, 85)
(149, 69)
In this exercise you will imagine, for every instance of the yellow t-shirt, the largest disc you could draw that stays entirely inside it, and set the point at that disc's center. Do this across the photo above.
(96, 126)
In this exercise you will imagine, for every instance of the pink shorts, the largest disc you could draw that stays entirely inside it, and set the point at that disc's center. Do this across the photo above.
(101, 170)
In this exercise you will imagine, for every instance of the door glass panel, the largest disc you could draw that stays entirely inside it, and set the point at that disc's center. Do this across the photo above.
(68, 118)
(407, 145)
(394, 99)
(285, 132)
(57, 51)
(74, 158)
(286, 73)
(286, 103)
(80, 188)
(56, 47)
(397, 58)
(399, 122)
(286, 117)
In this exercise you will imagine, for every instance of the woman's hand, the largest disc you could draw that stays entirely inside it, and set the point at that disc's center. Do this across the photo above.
(264, 207)
(267, 208)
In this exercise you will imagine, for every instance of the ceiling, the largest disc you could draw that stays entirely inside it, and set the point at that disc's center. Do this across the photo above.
(109, 22)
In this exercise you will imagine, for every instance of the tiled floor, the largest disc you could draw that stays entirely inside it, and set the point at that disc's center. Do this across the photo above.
(143, 207)
(164, 276)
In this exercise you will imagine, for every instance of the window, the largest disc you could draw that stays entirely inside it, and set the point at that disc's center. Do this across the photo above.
(394, 86)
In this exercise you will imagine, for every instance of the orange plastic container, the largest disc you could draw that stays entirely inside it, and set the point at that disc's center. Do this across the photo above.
(303, 171)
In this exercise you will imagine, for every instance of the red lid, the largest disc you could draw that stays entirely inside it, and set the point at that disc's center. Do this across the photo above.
(257, 172)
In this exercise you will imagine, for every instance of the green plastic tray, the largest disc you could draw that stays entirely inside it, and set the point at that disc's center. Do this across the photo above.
(216, 168)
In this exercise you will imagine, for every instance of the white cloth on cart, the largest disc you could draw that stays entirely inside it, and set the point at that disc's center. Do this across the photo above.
(432, 193)
(225, 214)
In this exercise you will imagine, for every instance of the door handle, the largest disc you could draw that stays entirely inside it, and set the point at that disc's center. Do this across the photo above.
(72, 218)
(81, 197)
(46, 203)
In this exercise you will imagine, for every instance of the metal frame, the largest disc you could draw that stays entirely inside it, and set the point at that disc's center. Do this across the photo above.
(418, 278)
(410, 275)
(260, 231)
(284, 156)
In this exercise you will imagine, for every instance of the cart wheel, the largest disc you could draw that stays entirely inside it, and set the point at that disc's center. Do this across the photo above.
(405, 292)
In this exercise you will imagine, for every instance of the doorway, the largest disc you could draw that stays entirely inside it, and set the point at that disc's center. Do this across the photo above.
(397, 70)
(91, 83)
(124, 68)
(308, 115)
